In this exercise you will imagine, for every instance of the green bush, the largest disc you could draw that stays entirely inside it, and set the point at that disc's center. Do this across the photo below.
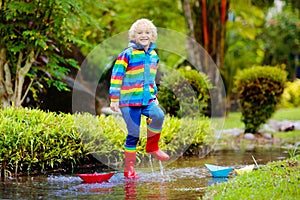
(291, 95)
(104, 137)
(179, 136)
(35, 141)
(184, 91)
(109, 136)
(259, 90)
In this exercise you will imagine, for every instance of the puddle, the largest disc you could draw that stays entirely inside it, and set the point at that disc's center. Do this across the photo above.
(183, 179)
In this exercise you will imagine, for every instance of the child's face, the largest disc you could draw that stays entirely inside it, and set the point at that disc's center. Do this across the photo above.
(143, 35)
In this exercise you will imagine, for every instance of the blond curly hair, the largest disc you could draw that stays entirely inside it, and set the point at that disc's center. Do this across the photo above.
(144, 23)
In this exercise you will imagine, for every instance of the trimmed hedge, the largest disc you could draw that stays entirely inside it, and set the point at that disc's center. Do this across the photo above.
(259, 90)
(35, 141)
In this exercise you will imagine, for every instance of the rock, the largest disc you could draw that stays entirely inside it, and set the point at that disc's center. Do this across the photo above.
(269, 128)
(297, 125)
(287, 127)
(267, 136)
(283, 126)
(237, 132)
(249, 136)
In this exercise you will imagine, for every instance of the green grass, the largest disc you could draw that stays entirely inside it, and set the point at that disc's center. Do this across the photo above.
(233, 119)
(287, 114)
(276, 180)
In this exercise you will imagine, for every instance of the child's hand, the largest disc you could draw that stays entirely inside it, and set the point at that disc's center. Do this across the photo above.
(114, 106)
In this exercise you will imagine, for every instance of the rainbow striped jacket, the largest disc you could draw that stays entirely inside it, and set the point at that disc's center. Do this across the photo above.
(133, 76)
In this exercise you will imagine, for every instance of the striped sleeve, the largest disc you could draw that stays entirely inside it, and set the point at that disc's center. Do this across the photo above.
(155, 89)
(117, 76)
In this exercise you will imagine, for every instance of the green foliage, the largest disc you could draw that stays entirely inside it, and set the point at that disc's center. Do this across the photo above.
(178, 136)
(45, 28)
(259, 91)
(243, 42)
(276, 180)
(184, 92)
(102, 136)
(291, 95)
(35, 141)
(105, 140)
(102, 44)
(284, 28)
(114, 17)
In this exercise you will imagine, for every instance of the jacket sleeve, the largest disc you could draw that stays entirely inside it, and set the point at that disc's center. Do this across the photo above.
(155, 90)
(155, 86)
(117, 76)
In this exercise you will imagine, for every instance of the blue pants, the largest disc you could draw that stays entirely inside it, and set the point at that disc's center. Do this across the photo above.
(132, 117)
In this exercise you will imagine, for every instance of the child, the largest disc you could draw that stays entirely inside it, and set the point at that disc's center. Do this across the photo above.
(134, 91)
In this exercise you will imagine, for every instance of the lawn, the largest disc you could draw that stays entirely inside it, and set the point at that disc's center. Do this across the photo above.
(276, 180)
(233, 119)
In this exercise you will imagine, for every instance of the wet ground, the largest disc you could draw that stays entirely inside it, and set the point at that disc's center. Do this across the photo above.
(185, 178)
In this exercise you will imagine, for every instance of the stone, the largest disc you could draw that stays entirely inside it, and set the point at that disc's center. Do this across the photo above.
(267, 135)
(249, 136)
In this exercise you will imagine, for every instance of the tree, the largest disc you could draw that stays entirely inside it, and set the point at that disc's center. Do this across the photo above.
(207, 24)
(34, 36)
(244, 46)
(284, 28)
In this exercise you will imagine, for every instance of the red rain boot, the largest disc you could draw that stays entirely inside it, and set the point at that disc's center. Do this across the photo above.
(152, 146)
(130, 160)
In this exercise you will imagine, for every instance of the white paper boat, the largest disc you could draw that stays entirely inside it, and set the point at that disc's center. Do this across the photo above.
(244, 170)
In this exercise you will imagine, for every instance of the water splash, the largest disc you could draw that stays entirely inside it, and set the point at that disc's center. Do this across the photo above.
(151, 164)
(161, 168)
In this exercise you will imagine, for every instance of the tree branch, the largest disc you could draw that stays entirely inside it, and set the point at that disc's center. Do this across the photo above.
(19, 66)
(188, 14)
(21, 73)
(2, 61)
(27, 90)
(29, 61)
(8, 84)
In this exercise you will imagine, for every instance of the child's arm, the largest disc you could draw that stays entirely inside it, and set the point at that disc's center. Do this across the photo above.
(116, 80)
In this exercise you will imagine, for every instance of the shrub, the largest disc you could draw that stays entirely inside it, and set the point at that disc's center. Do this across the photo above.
(35, 141)
(101, 135)
(109, 135)
(183, 92)
(291, 95)
(259, 90)
(183, 136)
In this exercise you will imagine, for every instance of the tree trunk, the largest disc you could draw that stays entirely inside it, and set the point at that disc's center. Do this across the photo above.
(208, 22)
(12, 94)
(4, 83)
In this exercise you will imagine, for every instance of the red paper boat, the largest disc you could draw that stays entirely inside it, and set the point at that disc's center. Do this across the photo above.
(96, 177)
